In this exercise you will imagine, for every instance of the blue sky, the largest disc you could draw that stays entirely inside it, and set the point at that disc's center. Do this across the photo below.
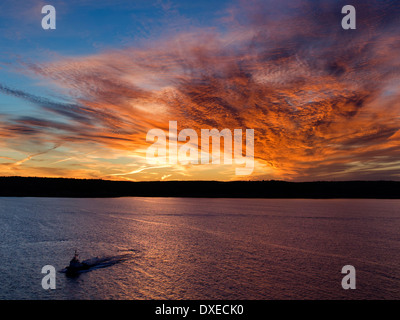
(87, 27)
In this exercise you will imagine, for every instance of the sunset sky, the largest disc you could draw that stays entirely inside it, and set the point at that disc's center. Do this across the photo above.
(78, 101)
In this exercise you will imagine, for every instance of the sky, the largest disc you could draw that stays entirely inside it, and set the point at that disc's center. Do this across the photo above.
(78, 101)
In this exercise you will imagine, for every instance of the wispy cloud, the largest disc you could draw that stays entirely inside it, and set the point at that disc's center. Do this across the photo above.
(33, 155)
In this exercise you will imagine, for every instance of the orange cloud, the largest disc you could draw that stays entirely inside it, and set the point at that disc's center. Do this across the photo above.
(323, 103)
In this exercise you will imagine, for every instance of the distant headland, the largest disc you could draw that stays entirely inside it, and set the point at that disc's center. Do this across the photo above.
(96, 188)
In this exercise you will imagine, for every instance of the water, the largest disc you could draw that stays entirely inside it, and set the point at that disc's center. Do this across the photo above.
(201, 248)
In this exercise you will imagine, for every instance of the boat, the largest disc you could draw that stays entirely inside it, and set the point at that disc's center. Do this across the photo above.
(75, 266)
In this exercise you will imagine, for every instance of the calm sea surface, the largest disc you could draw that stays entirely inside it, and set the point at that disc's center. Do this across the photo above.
(201, 248)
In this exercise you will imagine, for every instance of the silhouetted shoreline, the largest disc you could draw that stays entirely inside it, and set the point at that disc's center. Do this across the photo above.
(88, 188)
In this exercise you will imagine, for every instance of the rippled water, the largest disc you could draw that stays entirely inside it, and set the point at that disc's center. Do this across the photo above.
(201, 248)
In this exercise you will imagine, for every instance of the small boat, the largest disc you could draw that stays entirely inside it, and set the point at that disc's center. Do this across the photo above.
(75, 266)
